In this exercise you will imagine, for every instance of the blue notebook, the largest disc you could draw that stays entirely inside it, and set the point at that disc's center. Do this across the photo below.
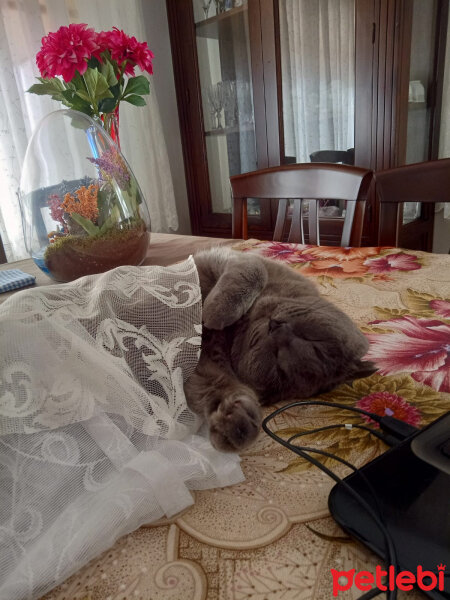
(13, 279)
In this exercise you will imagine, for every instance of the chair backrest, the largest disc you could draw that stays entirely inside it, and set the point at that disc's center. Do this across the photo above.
(304, 183)
(347, 157)
(427, 182)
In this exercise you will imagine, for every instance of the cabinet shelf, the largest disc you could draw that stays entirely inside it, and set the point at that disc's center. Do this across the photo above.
(211, 28)
(233, 129)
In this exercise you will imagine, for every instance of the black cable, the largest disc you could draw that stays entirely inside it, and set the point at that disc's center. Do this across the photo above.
(342, 426)
(361, 411)
(390, 548)
(350, 466)
(394, 427)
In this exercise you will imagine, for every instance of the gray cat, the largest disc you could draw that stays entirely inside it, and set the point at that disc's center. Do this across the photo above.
(267, 336)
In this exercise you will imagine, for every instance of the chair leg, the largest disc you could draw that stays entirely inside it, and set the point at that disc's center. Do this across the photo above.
(239, 224)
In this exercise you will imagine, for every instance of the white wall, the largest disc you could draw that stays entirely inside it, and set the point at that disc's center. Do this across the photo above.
(157, 31)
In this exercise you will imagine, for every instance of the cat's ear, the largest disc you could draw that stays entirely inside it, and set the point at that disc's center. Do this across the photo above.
(362, 368)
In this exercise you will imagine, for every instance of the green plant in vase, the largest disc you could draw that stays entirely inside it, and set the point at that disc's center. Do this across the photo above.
(99, 224)
(92, 72)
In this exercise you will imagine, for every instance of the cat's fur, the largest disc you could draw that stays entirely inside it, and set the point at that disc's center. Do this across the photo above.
(267, 336)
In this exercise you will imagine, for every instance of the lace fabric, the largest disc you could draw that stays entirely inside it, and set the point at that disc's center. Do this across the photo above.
(95, 434)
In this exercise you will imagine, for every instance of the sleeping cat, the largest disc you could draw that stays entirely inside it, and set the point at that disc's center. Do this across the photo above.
(267, 336)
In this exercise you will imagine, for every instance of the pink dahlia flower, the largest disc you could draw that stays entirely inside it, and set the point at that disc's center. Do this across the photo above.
(418, 346)
(382, 403)
(393, 262)
(125, 48)
(66, 51)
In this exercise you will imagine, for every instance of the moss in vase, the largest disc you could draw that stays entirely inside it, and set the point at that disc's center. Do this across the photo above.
(71, 257)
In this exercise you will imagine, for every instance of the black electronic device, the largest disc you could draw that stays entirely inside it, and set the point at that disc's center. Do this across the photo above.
(411, 483)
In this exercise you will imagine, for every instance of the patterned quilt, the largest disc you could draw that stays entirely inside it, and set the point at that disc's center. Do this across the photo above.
(271, 537)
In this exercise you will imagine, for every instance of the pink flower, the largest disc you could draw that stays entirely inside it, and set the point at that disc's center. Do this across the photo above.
(441, 307)
(56, 210)
(290, 253)
(418, 346)
(112, 166)
(397, 407)
(66, 51)
(126, 49)
(393, 262)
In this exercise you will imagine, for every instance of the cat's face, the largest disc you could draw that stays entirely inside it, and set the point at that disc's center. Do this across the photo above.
(298, 348)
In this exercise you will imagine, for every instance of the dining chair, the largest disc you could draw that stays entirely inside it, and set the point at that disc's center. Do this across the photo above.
(427, 182)
(305, 184)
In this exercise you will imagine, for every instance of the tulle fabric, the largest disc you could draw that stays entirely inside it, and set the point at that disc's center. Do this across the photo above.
(95, 434)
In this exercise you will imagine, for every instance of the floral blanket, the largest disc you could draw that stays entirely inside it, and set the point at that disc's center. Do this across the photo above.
(271, 537)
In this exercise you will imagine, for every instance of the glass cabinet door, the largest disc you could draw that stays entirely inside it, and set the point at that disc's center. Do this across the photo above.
(317, 51)
(420, 109)
(224, 66)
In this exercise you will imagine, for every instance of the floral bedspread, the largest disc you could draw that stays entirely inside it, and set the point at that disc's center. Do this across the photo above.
(270, 537)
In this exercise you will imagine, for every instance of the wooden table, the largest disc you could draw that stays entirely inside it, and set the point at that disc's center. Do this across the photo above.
(271, 536)
(165, 249)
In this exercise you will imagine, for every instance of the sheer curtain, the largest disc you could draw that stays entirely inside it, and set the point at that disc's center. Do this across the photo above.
(317, 40)
(22, 25)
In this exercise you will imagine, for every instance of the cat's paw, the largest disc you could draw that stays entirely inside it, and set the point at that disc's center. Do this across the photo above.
(218, 314)
(235, 422)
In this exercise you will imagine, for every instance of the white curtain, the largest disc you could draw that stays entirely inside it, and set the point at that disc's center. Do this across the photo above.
(317, 40)
(22, 25)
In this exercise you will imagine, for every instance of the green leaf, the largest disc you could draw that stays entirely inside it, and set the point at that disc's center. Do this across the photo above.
(93, 63)
(104, 197)
(107, 105)
(84, 95)
(116, 91)
(71, 99)
(48, 87)
(96, 84)
(112, 220)
(54, 81)
(136, 100)
(137, 85)
(87, 225)
(107, 70)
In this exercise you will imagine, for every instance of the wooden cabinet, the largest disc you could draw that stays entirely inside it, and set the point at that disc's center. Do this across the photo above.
(246, 101)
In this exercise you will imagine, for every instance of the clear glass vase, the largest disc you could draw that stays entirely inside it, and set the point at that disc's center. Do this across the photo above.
(110, 122)
(82, 209)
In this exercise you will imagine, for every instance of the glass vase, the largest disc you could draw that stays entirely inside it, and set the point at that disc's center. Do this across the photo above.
(83, 210)
(110, 122)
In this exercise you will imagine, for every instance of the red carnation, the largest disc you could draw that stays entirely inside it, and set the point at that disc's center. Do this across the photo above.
(126, 49)
(66, 51)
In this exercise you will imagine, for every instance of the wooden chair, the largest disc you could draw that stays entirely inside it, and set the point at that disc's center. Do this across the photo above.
(427, 182)
(304, 183)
